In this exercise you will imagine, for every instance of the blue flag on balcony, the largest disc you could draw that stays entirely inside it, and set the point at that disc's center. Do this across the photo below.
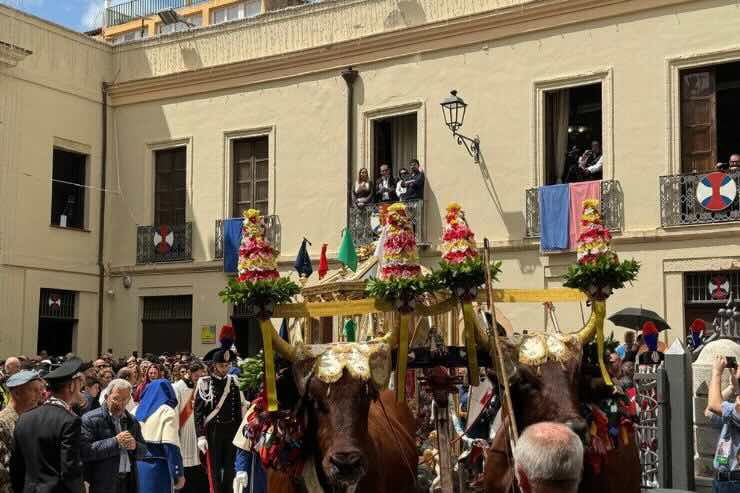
(303, 261)
(554, 204)
(232, 240)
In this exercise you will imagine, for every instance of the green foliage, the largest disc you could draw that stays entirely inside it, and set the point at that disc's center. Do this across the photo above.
(261, 293)
(252, 373)
(463, 277)
(396, 289)
(604, 272)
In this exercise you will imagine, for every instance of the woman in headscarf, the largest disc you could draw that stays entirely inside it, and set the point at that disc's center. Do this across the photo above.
(161, 470)
(152, 373)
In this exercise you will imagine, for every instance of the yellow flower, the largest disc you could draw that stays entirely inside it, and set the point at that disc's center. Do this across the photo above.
(453, 206)
(397, 207)
(251, 213)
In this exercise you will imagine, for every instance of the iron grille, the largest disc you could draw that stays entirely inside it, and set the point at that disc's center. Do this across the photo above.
(612, 208)
(168, 308)
(57, 303)
(364, 222)
(679, 207)
(154, 243)
(273, 234)
(697, 285)
(135, 9)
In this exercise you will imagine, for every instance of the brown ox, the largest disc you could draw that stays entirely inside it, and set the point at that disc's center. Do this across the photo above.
(554, 392)
(359, 437)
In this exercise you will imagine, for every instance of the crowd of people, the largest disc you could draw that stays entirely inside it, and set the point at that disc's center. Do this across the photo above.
(409, 185)
(120, 425)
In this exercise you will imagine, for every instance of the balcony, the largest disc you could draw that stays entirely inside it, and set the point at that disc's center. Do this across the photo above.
(612, 208)
(273, 233)
(136, 9)
(680, 207)
(364, 222)
(164, 243)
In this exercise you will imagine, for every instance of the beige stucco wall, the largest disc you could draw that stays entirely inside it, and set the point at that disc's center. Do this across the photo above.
(50, 98)
(303, 110)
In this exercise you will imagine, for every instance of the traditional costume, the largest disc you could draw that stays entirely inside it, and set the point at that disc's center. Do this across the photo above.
(196, 480)
(162, 466)
(218, 412)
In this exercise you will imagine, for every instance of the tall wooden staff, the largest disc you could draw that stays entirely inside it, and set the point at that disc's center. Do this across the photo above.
(493, 341)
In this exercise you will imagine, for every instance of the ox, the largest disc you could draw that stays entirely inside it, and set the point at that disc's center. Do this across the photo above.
(359, 439)
(554, 391)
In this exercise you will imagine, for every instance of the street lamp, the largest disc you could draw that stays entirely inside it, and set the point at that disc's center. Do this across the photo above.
(453, 109)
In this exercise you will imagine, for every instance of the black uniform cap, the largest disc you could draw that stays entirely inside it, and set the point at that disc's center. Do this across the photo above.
(65, 373)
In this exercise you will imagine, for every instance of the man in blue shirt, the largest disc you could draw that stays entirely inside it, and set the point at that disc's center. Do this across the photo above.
(727, 470)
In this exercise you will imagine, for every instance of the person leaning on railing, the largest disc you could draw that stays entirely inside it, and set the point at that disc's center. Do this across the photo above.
(726, 467)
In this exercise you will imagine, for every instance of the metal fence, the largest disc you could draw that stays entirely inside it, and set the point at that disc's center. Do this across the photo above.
(273, 234)
(652, 429)
(612, 208)
(679, 206)
(164, 243)
(135, 9)
(364, 221)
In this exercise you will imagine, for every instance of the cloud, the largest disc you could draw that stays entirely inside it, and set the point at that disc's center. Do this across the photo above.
(92, 16)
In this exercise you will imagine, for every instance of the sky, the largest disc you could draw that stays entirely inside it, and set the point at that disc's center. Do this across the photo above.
(80, 15)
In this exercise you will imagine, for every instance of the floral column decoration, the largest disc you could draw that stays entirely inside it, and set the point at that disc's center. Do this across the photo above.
(259, 286)
(598, 270)
(399, 280)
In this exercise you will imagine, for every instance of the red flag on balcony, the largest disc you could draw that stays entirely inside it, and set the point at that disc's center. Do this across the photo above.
(578, 193)
(323, 262)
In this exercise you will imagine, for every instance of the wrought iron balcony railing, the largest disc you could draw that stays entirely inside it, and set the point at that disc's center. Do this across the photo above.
(136, 9)
(679, 205)
(612, 208)
(364, 221)
(273, 233)
(164, 243)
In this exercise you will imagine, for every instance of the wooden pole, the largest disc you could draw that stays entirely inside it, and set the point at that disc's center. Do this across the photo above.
(496, 354)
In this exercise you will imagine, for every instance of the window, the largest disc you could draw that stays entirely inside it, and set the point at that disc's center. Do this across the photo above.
(573, 134)
(240, 10)
(169, 187)
(68, 189)
(394, 142)
(710, 101)
(251, 175)
(167, 324)
(195, 19)
(57, 321)
(128, 36)
(706, 292)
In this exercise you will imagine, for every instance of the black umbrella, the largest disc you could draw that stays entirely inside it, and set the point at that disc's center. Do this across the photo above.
(633, 318)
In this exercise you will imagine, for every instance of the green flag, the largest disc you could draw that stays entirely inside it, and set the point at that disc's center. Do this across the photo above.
(347, 254)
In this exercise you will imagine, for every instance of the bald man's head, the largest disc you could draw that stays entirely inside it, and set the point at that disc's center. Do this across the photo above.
(12, 366)
(549, 459)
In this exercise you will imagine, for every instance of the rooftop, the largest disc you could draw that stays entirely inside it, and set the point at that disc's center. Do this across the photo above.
(135, 9)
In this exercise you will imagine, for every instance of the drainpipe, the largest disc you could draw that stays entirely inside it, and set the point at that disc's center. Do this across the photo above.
(349, 75)
(101, 220)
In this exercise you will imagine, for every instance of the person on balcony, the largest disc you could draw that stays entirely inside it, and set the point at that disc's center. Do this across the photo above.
(363, 189)
(385, 189)
(415, 183)
(403, 175)
(732, 165)
(592, 161)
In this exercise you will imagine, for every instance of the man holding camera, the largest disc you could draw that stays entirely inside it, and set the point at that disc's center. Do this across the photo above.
(726, 460)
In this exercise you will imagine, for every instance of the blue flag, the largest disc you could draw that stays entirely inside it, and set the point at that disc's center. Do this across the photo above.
(303, 261)
(554, 203)
(283, 332)
(232, 240)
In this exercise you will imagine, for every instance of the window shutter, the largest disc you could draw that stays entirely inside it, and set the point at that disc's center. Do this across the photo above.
(698, 121)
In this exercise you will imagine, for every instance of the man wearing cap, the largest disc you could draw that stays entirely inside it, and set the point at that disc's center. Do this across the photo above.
(218, 414)
(46, 452)
(26, 391)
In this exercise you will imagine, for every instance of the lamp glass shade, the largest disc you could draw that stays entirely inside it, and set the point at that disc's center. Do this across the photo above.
(453, 109)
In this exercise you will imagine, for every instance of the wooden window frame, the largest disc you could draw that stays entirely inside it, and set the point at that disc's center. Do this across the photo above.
(254, 180)
(230, 136)
(157, 153)
(84, 208)
(150, 149)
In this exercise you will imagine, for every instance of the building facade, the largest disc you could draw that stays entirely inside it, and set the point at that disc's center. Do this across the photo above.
(205, 122)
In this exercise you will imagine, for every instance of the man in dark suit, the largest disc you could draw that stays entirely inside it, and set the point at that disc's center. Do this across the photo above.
(385, 187)
(46, 456)
(415, 184)
(112, 442)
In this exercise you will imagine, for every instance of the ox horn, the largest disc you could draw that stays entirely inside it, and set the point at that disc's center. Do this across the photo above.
(283, 348)
(595, 322)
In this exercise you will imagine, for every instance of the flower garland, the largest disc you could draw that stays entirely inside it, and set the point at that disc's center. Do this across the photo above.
(400, 257)
(598, 270)
(257, 259)
(458, 240)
